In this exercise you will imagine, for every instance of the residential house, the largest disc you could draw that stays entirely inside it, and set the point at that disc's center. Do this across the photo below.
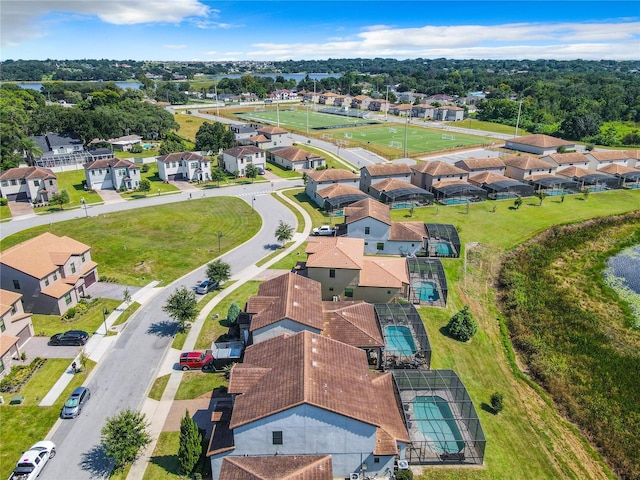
(400, 194)
(294, 158)
(563, 160)
(345, 273)
(258, 467)
(479, 165)
(425, 174)
(59, 149)
(600, 158)
(499, 187)
(538, 144)
(424, 110)
(379, 105)
(440, 98)
(52, 273)
(403, 110)
(311, 97)
(16, 328)
(361, 102)
(523, 167)
(112, 174)
(271, 137)
(342, 101)
(449, 113)
(335, 198)
(327, 98)
(236, 159)
(628, 177)
(634, 158)
(376, 173)
(243, 132)
(124, 144)
(188, 166)
(319, 179)
(33, 184)
(594, 181)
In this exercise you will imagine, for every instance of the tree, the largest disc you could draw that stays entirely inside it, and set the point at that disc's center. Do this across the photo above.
(61, 198)
(126, 294)
(181, 306)
(497, 399)
(218, 175)
(585, 194)
(233, 312)
(190, 444)
(517, 203)
(123, 436)
(144, 185)
(541, 196)
(284, 232)
(462, 326)
(31, 149)
(218, 271)
(213, 137)
(251, 171)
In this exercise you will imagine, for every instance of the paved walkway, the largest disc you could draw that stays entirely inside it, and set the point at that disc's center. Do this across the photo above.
(157, 412)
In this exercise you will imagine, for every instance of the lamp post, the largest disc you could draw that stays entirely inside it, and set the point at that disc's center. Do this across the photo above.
(219, 237)
(467, 247)
(253, 199)
(386, 113)
(158, 192)
(84, 205)
(105, 312)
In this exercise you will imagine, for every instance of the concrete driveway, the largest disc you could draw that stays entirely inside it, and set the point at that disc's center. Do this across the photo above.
(39, 347)
(114, 291)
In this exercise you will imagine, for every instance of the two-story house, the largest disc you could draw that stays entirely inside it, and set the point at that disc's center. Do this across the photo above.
(59, 149)
(483, 164)
(402, 109)
(243, 132)
(319, 179)
(426, 174)
(424, 110)
(15, 329)
(184, 166)
(361, 102)
(562, 160)
(294, 158)
(33, 184)
(271, 137)
(600, 158)
(538, 144)
(379, 105)
(449, 113)
(52, 273)
(112, 174)
(371, 174)
(236, 159)
(327, 98)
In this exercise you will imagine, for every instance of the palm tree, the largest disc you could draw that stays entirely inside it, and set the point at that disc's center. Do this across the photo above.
(284, 233)
(30, 149)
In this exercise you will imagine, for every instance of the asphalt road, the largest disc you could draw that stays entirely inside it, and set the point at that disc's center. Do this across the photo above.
(125, 373)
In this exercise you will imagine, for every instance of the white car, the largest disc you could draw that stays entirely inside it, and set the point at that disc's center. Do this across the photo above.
(33, 461)
(324, 230)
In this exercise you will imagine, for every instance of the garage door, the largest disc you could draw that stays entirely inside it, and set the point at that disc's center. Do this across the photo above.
(90, 279)
(18, 197)
(23, 336)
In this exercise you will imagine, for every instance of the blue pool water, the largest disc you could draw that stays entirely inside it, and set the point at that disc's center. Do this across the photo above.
(456, 201)
(443, 248)
(426, 291)
(399, 341)
(403, 205)
(438, 423)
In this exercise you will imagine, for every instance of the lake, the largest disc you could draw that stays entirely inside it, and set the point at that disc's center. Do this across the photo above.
(623, 275)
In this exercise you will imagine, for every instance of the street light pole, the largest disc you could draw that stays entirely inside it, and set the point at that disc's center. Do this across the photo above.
(253, 199)
(219, 237)
(467, 247)
(105, 312)
(84, 205)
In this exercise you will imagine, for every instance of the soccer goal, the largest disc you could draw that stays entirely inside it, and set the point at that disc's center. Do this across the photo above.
(348, 135)
(393, 130)
(448, 137)
(394, 144)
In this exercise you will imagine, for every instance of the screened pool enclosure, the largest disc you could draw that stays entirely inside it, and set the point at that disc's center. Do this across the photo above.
(443, 240)
(427, 282)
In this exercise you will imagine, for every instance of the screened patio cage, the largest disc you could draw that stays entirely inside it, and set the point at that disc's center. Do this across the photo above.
(406, 197)
(427, 282)
(597, 182)
(406, 344)
(443, 425)
(503, 189)
(630, 180)
(554, 186)
(443, 240)
(335, 205)
(458, 193)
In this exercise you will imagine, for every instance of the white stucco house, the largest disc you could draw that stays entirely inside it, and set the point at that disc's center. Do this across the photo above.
(319, 179)
(112, 174)
(16, 328)
(382, 171)
(236, 159)
(294, 158)
(189, 166)
(538, 144)
(33, 184)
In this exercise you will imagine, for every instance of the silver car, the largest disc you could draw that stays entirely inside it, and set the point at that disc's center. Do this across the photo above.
(75, 402)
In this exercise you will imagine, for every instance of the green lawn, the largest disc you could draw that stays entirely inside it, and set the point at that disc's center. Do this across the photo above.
(197, 383)
(5, 212)
(297, 118)
(479, 125)
(91, 321)
(71, 181)
(157, 184)
(135, 247)
(158, 387)
(164, 464)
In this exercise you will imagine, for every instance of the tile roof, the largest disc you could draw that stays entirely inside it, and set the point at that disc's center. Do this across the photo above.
(288, 296)
(259, 139)
(27, 173)
(332, 174)
(42, 255)
(471, 164)
(353, 323)
(7, 300)
(384, 169)
(565, 158)
(487, 177)
(383, 272)
(526, 162)
(540, 140)
(573, 171)
(338, 190)
(110, 162)
(446, 183)
(242, 150)
(408, 231)
(6, 342)
(609, 155)
(616, 169)
(391, 184)
(178, 156)
(367, 207)
(335, 252)
(280, 467)
(437, 167)
(308, 369)
(271, 130)
(633, 154)
(540, 176)
(294, 154)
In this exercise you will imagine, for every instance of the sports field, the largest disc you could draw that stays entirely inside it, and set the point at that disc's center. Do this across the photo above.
(298, 119)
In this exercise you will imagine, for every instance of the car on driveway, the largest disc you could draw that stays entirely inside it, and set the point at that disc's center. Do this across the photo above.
(70, 337)
(205, 287)
(73, 406)
(324, 230)
(33, 461)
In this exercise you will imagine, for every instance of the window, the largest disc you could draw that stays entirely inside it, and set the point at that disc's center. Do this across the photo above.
(73, 267)
(100, 171)
(51, 182)
(367, 230)
(55, 276)
(331, 289)
(36, 183)
(16, 284)
(93, 172)
(82, 257)
(277, 437)
(2, 326)
(67, 299)
(46, 282)
(348, 292)
(332, 273)
(5, 183)
(380, 245)
(14, 182)
(1, 365)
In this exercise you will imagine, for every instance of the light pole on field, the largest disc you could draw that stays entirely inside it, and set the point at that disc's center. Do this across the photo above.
(467, 247)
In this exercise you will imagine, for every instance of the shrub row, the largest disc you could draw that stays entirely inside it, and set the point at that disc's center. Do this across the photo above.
(19, 375)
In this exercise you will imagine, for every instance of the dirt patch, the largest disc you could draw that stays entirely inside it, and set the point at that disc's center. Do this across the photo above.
(143, 267)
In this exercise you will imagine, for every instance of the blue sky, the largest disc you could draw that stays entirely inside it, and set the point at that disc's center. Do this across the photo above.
(206, 30)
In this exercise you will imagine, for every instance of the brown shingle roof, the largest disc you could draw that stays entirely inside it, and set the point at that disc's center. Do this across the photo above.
(486, 177)
(384, 169)
(288, 296)
(565, 158)
(243, 150)
(42, 255)
(110, 162)
(408, 231)
(526, 162)
(8, 300)
(391, 184)
(540, 140)
(367, 207)
(353, 323)
(609, 155)
(335, 252)
(280, 467)
(338, 190)
(27, 173)
(633, 154)
(573, 171)
(294, 154)
(471, 164)
(437, 167)
(383, 272)
(446, 183)
(6, 342)
(259, 139)
(616, 169)
(270, 130)
(332, 174)
(177, 156)
(306, 368)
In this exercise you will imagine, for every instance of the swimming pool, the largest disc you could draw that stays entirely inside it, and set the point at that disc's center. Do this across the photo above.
(443, 248)
(426, 291)
(399, 340)
(435, 421)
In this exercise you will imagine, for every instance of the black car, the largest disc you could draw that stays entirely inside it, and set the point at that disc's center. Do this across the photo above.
(71, 337)
(77, 399)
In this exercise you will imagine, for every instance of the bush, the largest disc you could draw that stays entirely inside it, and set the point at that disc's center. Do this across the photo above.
(136, 148)
(462, 325)
(144, 168)
(69, 314)
(3, 202)
(233, 312)
(404, 475)
(497, 400)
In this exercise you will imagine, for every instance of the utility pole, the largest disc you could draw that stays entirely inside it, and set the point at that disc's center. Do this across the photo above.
(518, 120)
(215, 86)
(406, 131)
(386, 113)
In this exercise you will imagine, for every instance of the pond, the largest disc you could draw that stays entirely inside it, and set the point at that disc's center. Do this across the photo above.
(623, 275)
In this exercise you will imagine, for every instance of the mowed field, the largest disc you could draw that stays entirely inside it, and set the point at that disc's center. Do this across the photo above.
(297, 119)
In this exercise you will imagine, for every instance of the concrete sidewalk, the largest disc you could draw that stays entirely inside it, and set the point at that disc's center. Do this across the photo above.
(98, 344)
(158, 411)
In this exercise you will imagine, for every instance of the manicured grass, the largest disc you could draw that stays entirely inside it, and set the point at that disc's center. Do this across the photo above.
(297, 118)
(273, 254)
(134, 248)
(23, 425)
(282, 172)
(157, 185)
(189, 125)
(291, 260)
(90, 321)
(71, 181)
(164, 462)
(124, 316)
(473, 124)
(299, 218)
(5, 212)
(179, 339)
(146, 153)
(318, 217)
(158, 387)
(197, 383)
